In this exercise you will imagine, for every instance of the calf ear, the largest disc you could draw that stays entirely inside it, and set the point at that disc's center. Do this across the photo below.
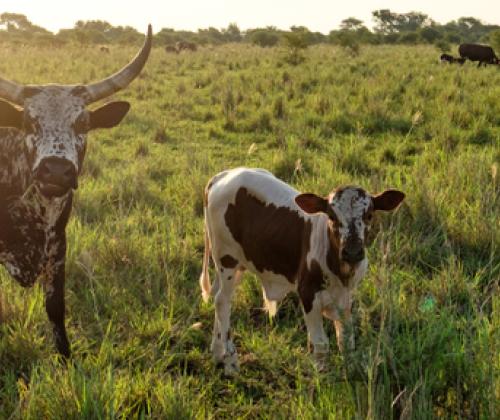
(388, 200)
(311, 203)
(109, 115)
(10, 116)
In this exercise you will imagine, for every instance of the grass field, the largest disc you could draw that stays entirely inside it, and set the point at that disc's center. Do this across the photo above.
(427, 316)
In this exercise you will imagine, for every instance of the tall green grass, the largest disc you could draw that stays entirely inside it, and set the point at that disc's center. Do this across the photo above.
(426, 316)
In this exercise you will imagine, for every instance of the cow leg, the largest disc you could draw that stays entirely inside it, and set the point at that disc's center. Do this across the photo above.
(223, 348)
(54, 300)
(316, 333)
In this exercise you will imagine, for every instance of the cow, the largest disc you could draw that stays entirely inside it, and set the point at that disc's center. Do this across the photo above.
(305, 243)
(447, 58)
(42, 148)
(185, 45)
(171, 49)
(104, 49)
(476, 52)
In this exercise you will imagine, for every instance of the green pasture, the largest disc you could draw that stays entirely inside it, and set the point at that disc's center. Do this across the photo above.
(427, 316)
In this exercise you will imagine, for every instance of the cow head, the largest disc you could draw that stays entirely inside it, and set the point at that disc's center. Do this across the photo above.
(54, 121)
(350, 212)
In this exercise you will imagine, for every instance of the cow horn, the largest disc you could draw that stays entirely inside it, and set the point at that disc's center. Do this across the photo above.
(121, 79)
(11, 91)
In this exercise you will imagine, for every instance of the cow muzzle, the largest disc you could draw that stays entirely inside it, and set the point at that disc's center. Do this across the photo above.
(56, 176)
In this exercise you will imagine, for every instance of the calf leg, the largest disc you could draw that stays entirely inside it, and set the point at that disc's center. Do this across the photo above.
(54, 305)
(343, 326)
(316, 333)
(222, 345)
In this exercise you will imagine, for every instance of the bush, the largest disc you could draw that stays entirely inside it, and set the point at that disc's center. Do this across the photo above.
(264, 38)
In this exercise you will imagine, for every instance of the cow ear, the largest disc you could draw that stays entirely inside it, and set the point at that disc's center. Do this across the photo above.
(109, 115)
(388, 200)
(311, 203)
(10, 116)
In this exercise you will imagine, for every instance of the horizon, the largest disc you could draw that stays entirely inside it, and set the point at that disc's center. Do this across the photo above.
(194, 14)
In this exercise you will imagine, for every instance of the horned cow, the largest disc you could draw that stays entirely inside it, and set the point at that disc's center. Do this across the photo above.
(42, 148)
(312, 245)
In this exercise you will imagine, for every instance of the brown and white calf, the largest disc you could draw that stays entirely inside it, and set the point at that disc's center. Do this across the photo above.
(292, 242)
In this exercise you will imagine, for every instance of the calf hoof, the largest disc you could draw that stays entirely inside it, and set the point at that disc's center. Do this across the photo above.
(320, 361)
(231, 365)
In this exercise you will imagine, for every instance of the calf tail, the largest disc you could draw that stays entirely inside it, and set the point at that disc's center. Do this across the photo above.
(205, 284)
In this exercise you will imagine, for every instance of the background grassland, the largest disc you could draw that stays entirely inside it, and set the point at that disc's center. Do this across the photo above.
(427, 315)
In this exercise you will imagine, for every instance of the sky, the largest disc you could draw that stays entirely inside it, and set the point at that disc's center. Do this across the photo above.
(317, 15)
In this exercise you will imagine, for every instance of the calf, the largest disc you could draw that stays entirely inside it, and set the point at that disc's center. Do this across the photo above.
(42, 148)
(447, 58)
(292, 242)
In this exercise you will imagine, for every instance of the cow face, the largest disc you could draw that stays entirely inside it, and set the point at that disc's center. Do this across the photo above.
(55, 122)
(350, 212)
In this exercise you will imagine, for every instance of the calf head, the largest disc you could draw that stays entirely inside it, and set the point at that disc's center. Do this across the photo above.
(54, 122)
(350, 212)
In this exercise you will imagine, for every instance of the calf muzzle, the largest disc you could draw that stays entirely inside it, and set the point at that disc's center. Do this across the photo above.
(353, 254)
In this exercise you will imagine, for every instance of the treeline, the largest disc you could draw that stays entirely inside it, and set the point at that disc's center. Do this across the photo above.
(389, 28)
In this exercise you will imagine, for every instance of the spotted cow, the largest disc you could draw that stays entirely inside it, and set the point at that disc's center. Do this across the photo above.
(42, 147)
(304, 243)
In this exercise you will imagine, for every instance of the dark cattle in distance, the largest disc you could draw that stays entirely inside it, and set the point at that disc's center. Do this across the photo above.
(484, 54)
(447, 58)
(171, 49)
(43, 130)
(104, 49)
(185, 45)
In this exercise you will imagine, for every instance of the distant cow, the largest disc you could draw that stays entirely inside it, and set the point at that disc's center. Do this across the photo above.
(42, 148)
(447, 58)
(171, 49)
(185, 45)
(312, 245)
(476, 52)
(104, 49)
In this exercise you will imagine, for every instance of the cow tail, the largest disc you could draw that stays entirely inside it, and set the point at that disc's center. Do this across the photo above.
(205, 284)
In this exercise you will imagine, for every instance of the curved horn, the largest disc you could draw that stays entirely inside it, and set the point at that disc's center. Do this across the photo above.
(11, 91)
(121, 79)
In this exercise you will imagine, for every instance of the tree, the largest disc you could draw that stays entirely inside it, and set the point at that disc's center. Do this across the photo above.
(268, 37)
(232, 33)
(386, 22)
(351, 24)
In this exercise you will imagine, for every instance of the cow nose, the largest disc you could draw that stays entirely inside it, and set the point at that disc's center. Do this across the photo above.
(57, 172)
(353, 254)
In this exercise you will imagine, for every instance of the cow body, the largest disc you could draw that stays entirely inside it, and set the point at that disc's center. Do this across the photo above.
(42, 148)
(484, 54)
(256, 222)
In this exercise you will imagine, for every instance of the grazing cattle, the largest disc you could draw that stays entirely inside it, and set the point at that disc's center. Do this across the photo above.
(42, 147)
(292, 242)
(171, 49)
(185, 45)
(104, 49)
(476, 52)
(447, 58)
